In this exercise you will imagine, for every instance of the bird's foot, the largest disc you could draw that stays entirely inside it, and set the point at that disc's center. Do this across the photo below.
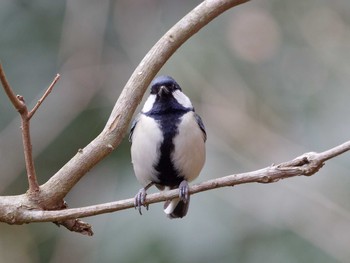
(183, 191)
(140, 198)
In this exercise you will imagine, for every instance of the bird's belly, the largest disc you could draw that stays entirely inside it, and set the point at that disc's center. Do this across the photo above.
(167, 163)
(189, 152)
(144, 149)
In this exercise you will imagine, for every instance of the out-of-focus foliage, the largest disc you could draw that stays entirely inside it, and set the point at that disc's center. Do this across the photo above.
(269, 78)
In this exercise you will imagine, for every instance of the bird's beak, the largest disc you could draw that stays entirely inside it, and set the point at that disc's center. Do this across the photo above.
(163, 91)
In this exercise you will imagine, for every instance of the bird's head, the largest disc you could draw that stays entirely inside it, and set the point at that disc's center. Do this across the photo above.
(164, 86)
(166, 94)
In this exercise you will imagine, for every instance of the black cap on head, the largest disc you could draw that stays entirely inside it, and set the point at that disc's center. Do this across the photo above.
(163, 81)
(166, 81)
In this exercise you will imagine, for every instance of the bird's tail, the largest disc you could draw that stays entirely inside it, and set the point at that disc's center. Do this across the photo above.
(176, 208)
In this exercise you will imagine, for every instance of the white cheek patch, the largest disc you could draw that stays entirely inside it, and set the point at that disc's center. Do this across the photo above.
(149, 103)
(182, 99)
(146, 140)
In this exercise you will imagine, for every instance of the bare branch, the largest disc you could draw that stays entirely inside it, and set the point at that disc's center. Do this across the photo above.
(306, 164)
(28, 153)
(76, 225)
(47, 92)
(56, 188)
(331, 153)
(17, 102)
(50, 195)
(45, 203)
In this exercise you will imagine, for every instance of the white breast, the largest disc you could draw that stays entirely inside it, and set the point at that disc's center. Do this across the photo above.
(146, 141)
(189, 154)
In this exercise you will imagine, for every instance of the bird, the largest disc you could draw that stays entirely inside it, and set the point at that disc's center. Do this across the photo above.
(167, 145)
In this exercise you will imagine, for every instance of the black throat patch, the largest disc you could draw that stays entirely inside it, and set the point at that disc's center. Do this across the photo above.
(168, 116)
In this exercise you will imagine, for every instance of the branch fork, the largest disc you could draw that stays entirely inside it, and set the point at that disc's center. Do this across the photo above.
(19, 104)
(307, 164)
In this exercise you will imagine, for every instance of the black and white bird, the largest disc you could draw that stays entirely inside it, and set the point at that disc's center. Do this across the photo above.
(168, 145)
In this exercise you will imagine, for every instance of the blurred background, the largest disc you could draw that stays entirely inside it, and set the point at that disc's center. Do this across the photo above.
(270, 80)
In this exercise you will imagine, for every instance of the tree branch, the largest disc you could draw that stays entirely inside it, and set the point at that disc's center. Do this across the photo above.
(20, 105)
(15, 100)
(50, 195)
(47, 92)
(29, 207)
(56, 188)
(306, 164)
(28, 152)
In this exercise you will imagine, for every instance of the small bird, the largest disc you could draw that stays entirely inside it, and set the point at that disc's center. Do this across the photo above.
(168, 145)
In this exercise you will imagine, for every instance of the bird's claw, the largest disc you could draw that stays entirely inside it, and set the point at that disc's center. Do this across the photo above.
(183, 191)
(140, 200)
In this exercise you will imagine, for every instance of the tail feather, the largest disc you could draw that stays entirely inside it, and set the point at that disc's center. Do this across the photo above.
(176, 208)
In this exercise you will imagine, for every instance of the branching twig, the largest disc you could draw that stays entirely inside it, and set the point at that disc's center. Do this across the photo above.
(19, 104)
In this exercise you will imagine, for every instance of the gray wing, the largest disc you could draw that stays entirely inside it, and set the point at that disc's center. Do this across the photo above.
(133, 125)
(201, 125)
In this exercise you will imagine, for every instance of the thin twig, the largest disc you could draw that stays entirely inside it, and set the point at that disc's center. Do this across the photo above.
(28, 155)
(19, 103)
(306, 164)
(27, 145)
(16, 102)
(47, 92)
(326, 155)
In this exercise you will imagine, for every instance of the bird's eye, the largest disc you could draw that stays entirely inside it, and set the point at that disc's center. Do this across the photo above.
(154, 89)
(177, 87)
